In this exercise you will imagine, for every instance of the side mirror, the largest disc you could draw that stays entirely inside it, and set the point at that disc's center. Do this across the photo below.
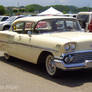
(29, 33)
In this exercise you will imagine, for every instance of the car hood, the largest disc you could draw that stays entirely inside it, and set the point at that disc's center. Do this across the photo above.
(82, 39)
(72, 36)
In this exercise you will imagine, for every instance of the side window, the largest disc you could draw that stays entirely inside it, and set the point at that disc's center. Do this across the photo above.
(60, 25)
(43, 25)
(29, 26)
(19, 27)
(5, 18)
(72, 25)
(69, 25)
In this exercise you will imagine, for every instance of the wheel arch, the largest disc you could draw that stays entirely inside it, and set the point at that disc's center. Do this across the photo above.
(6, 26)
(42, 55)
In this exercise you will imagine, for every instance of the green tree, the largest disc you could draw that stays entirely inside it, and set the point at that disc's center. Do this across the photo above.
(15, 10)
(85, 9)
(2, 10)
(34, 7)
(22, 10)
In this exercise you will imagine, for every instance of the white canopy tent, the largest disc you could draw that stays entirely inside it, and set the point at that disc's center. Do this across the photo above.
(51, 11)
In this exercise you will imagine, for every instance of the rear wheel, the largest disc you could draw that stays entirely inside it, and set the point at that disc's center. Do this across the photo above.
(6, 28)
(7, 57)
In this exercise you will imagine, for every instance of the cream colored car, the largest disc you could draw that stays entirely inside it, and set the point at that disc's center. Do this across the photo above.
(54, 41)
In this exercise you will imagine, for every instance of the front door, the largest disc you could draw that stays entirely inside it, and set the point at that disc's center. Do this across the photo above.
(21, 46)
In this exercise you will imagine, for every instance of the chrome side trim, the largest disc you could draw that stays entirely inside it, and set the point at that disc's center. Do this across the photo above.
(28, 45)
(34, 46)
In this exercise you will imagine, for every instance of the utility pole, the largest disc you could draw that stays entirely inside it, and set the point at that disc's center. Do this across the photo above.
(18, 7)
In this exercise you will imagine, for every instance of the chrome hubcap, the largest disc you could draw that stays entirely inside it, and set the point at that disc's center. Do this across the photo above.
(50, 65)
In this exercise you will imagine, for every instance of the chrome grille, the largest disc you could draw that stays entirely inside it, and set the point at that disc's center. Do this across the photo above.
(81, 57)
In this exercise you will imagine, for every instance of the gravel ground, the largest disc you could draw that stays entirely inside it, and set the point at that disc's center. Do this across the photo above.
(21, 76)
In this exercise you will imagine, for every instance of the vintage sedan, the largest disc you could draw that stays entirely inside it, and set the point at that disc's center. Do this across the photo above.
(54, 41)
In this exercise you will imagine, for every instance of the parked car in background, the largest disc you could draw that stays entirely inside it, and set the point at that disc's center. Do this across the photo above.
(56, 42)
(5, 25)
(3, 18)
(85, 20)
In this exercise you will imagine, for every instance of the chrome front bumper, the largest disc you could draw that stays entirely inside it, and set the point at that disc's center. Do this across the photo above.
(74, 66)
(60, 64)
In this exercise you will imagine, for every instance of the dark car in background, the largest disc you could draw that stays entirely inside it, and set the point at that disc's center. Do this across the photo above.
(85, 20)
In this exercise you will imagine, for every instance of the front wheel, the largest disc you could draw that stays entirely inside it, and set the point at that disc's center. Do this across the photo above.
(50, 66)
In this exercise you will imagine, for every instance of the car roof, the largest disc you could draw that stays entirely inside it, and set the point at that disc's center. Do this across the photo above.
(4, 16)
(85, 13)
(38, 18)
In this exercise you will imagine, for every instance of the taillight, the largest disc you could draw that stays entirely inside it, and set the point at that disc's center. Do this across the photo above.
(90, 26)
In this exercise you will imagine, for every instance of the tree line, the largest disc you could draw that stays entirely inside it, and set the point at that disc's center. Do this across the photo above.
(35, 8)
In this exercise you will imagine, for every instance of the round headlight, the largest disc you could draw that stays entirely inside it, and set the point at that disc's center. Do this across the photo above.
(67, 47)
(73, 46)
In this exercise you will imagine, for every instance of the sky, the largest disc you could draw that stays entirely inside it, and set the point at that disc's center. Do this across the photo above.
(78, 3)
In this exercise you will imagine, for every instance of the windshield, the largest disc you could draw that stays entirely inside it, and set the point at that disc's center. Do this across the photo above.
(57, 25)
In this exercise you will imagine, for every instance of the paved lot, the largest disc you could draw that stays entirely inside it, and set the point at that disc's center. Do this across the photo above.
(20, 76)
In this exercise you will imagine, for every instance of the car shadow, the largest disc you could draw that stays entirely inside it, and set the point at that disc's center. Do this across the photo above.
(70, 79)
